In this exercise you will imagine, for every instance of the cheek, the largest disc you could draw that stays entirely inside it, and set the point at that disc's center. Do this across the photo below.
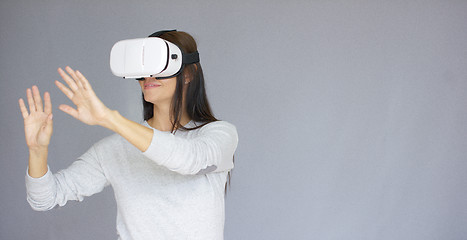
(169, 87)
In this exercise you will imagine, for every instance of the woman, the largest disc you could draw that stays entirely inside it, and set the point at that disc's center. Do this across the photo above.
(168, 174)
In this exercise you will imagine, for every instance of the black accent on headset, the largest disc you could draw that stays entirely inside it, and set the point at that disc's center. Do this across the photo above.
(159, 33)
(176, 74)
(168, 59)
(189, 58)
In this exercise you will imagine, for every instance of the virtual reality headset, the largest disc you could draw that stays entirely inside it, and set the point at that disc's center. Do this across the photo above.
(149, 57)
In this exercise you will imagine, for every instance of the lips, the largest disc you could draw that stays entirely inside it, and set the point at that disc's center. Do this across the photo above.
(151, 85)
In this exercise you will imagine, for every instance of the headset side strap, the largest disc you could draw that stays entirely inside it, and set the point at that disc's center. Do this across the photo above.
(189, 58)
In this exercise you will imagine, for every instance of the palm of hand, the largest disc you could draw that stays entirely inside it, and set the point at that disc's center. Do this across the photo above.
(34, 126)
(89, 109)
(38, 121)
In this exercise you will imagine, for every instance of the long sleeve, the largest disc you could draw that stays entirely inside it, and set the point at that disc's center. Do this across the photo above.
(211, 150)
(83, 178)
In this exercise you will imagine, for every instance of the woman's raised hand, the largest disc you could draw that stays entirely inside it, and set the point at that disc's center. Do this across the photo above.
(38, 121)
(89, 109)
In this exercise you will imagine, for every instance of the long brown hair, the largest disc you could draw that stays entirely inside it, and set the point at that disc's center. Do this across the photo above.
(197, 104)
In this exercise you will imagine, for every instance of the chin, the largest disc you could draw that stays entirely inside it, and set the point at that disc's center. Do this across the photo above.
(155, 99)
(150, 100)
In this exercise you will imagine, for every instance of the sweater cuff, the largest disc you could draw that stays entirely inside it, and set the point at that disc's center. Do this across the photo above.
(161, 146)
(44, 178)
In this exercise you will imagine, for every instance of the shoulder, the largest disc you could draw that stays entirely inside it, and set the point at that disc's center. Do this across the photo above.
(220, 128)
(218, 125)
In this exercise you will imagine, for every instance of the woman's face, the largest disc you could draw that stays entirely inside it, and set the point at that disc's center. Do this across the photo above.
(158, 91)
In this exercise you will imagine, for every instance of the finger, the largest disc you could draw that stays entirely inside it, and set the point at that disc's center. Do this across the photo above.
(69, 110)
(73, 75)
(64, 89)
(22, 107)
(32, 108)
(48, 103)
(71, 83)
(37, 98)
(85, 82)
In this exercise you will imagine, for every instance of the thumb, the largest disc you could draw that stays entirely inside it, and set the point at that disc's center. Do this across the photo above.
(49, 124)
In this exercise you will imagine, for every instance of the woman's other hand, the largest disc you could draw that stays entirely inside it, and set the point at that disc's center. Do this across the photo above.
(89, 108)
(38, 121)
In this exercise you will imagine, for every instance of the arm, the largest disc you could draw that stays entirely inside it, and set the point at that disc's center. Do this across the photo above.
(84, 177)
(44, 189)
(211, 150)
(38, 128)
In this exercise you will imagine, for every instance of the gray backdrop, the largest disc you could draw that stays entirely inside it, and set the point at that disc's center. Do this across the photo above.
(352, 115)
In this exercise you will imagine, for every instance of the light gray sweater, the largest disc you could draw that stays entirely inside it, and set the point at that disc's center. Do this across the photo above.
(173, 190)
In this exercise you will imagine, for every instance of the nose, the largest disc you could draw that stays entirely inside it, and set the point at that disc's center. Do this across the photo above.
(147, 78)
(144, 78)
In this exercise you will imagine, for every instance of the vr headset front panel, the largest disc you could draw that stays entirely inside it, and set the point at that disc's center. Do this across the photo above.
(145, 57)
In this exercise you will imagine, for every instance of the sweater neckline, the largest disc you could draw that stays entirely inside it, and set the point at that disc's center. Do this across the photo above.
(186, 125)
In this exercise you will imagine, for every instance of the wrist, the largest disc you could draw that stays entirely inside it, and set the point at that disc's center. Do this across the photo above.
(38, 150)
(37, 162)
(112, 120)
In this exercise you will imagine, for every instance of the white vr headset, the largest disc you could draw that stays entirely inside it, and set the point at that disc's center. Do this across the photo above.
(149, 57)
